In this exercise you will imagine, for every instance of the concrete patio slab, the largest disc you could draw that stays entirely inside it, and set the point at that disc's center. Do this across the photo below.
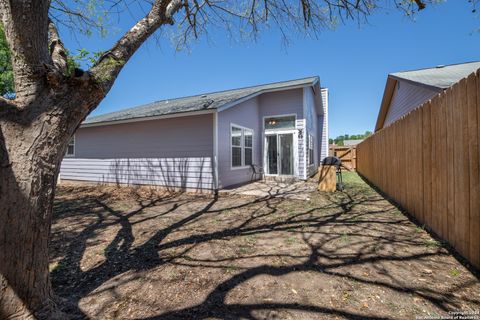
(299, 190)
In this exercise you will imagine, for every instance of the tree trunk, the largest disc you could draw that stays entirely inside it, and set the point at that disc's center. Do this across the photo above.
(31, 149)
(25, 288)
(34, 132)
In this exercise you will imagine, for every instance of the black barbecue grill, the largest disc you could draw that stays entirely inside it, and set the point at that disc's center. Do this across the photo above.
(335, 161)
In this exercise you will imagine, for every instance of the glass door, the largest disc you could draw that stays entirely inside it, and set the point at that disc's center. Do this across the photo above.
(272, 154)
(286, 153)
(279, 154)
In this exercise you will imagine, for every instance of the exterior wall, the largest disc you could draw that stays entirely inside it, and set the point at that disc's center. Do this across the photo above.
(282, 103)
(179, 152)
(310, 114)
(245, 114)
(174, 152)
(250, 114)
(407, 97)
(301, 151)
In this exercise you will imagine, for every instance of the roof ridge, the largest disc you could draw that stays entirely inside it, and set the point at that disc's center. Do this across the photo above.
(243, 88)
(165, 101)
(435, 67)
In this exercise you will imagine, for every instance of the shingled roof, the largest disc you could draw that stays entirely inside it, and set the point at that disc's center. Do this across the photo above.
(437, 79)
(201, 102)
(441, 77)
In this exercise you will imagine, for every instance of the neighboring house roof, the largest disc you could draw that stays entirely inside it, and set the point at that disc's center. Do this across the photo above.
(441, 77)
(351, 142)
(197, 103)
(438, 78)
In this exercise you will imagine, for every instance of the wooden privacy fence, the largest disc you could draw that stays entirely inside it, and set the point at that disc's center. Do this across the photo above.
(428, 162)
(348, 155)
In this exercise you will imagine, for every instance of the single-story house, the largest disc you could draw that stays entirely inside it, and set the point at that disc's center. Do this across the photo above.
(208, 141)
(351, 142)
(407, 90)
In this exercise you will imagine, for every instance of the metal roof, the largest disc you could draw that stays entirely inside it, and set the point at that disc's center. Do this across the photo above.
(201, 102)
(441, 76)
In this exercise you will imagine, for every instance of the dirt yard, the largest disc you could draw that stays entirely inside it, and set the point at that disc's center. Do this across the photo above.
(137, 254)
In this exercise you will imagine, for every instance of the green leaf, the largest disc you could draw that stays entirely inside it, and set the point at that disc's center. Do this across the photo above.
(7, 88)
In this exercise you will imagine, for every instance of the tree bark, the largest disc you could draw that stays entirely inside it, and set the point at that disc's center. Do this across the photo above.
(26, 195)
(25, 211)
(34, 131)
(32, 145)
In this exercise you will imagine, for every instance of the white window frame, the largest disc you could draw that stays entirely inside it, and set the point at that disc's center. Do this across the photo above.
(287, 115)
(72, 139)
(310, 148)
(293, 131)
(242, 146)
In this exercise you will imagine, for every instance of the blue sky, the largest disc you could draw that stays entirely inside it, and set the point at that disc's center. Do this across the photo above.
(352, 61)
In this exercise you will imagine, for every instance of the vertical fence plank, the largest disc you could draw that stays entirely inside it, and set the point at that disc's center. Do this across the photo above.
(442, 164)
(461, 166)
(429, 162)
(427, 175)
(434, 219)
(474, 167)
(418, 136)
(450, 235)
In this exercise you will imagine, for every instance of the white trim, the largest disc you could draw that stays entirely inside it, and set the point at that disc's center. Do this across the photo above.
(295, 153)
(279, 116)
(140, 119)
(67, 155)
(325, 119)
(242, 146)
(294, 131)
(215, 151)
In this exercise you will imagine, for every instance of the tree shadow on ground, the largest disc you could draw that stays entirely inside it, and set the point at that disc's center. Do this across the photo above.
(340, 234)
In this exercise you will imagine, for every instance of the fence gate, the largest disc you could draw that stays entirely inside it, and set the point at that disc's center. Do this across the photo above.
(347, 154)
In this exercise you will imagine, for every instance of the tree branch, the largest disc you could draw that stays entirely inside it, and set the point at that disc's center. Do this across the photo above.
(109, 65)
(26, 29)
(7, 107)
(420, 4)
(57, 50)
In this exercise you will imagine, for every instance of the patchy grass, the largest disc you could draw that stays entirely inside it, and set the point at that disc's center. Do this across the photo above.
(134, 253)
(455, 272)
(432, 243)
(345, 238)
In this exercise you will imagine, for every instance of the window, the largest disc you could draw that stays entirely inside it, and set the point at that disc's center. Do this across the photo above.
(242, 146)
(71, 147)
(248, 146)
(236, 135)
(310, 149)
(280, 123)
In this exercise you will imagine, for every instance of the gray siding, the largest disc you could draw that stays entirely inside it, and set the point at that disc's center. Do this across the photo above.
(178, 152)
(282, 102)
(183, 173)
(250, 114)
(245, 114)
(407, 97)
(173, 152)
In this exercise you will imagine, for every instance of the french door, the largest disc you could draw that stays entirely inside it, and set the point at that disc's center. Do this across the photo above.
(279, 153)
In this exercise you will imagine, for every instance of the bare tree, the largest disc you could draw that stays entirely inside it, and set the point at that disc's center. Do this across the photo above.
(51, 102)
